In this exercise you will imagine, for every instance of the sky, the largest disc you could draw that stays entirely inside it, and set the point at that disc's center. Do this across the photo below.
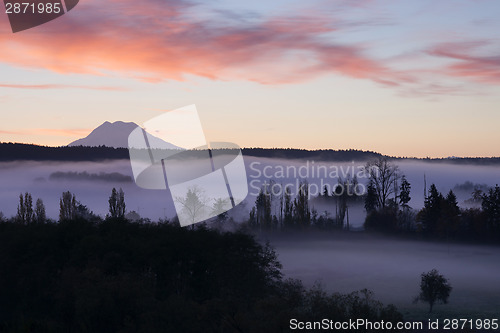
(403, 78)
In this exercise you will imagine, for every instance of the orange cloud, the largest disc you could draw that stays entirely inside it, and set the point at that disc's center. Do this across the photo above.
(163, 41)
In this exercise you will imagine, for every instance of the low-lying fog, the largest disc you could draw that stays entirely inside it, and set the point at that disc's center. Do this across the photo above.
(391, 268)
(351, 261)
(94, 188)
(35, 177)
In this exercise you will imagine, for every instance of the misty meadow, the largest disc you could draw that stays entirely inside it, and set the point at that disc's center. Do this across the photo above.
(335, 238)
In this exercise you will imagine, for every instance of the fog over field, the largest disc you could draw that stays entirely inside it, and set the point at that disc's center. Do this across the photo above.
(48, 180)
(342, 262)
(35, 177)
(391, 268)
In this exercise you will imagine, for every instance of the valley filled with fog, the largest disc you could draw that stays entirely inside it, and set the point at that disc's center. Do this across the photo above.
(340, 261)
(391, 268)
(92, 182)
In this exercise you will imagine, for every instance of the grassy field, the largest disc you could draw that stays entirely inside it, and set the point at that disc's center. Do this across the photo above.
(391, 268)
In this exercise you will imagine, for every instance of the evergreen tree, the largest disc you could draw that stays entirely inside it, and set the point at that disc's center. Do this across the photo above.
(404, 192)
(371, 202)
(452, 203)
(449, 215)
(431, 213)
(491, 208)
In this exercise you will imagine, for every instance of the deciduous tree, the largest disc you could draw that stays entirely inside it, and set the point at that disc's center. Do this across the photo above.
(434, 288)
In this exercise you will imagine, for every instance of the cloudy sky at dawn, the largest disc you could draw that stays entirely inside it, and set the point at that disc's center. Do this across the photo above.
(404, 78)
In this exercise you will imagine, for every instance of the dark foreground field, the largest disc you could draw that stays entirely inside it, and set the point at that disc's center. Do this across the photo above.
(116, 276)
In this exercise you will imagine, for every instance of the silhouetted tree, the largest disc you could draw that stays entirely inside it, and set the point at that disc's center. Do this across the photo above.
(67, 207)
(477, 195)
(434, 288)
(449, 215)
(404, 192)
(288, 208)
(491, 208)
(384, 175)
(131, 277)
(371, 201)
(83, 212)
(117, 203)
(429, 216)
(341, 195)
(40, 216)
(263, 208)
(25, 209)
(302, 214)
(252, 219)
(325, 191)
(21, 210)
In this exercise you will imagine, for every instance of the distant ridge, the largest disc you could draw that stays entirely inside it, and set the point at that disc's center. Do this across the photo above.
(29, 152)
(115, 135)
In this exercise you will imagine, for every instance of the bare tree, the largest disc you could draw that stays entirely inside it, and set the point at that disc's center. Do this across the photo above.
(383, 175)
(194, 204)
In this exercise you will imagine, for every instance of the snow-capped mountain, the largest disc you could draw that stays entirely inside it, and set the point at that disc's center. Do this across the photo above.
(116, 135)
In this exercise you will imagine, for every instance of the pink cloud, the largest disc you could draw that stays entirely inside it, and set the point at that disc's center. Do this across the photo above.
(57, 86)
(71, 132)
(466, 64)
(161, 41)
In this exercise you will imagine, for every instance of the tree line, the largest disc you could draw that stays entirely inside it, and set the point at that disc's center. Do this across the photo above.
(387, 206)
(117, 276)
(283, 212)
(69, 208)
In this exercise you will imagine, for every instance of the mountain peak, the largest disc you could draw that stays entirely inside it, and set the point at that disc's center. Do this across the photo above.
(113, 134)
